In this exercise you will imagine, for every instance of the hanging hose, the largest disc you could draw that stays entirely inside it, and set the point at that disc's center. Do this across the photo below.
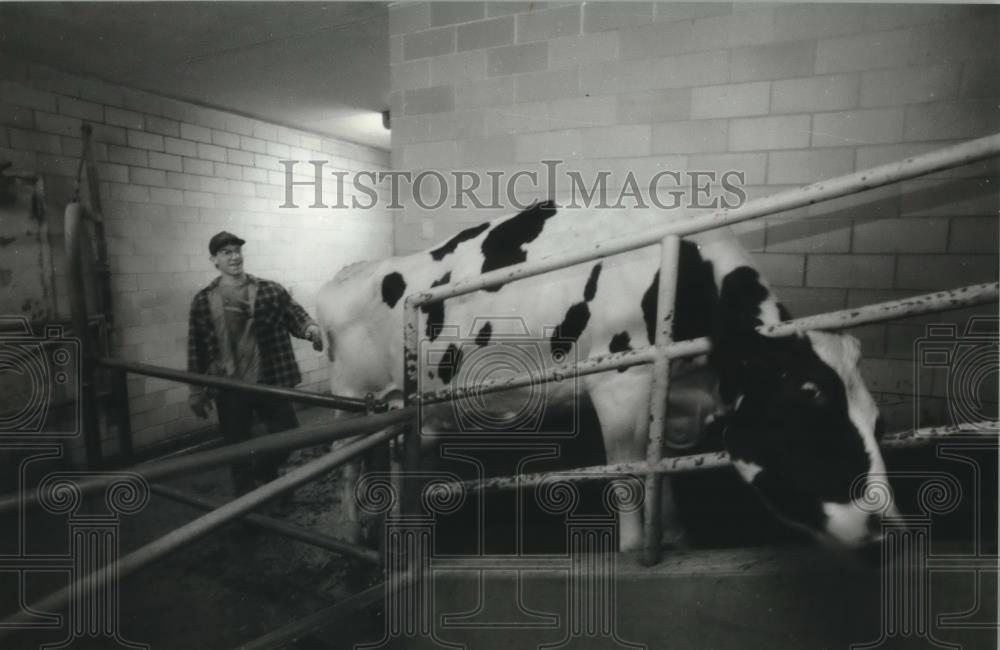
(78, 307)
(95, 216)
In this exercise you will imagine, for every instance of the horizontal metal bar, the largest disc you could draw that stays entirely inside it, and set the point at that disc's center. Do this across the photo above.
(866, 179)
(884, 311)
(697, 462)
(207, 523)
(928, 303)
(284, 441)
(211, 443)
(927, 435)
(678, 465)
(225, 383)
(274, 525)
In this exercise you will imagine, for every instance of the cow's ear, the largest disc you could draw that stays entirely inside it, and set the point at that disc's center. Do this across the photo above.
(741, 357)
(852, 350)
(736, 343)
(738, 311)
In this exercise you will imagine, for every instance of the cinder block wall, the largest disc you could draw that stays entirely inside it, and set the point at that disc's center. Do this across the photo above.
(789, 94)
(173, 174)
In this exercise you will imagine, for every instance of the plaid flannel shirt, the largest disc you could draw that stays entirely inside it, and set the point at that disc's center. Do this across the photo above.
(275, 314)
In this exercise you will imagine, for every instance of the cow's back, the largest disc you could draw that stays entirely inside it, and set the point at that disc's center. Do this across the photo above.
(601, 306)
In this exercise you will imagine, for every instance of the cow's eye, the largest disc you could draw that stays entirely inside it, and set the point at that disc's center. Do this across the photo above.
(812, 392)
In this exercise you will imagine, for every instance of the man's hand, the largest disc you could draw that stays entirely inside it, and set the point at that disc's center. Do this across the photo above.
(314, 335)
(200, 404)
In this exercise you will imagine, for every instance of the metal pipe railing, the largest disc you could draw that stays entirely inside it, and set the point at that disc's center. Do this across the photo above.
(205, 524)
(122, 419)
(712, 460)
(409, 502)
(866, 179)
(662, 354)
(927, 435)
(948, 157)
(224, 383)
(273, 525)
(875, 313)
(275, 442)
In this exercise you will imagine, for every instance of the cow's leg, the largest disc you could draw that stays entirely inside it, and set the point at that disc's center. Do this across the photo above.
(622, 404)
(349, 476)
(360, 526)
(672, 534)
(396, 465)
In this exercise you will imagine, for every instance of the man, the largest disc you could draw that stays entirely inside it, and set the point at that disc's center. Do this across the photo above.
(239, 327)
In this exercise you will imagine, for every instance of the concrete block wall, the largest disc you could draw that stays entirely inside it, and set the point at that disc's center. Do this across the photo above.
(172, 175)
(788, 94)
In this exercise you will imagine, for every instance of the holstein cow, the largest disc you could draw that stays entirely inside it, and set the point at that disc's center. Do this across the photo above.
(798, 420)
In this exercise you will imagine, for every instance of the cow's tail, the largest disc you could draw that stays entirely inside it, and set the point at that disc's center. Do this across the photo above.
(326, 323)
(331, 302)
(331, 345)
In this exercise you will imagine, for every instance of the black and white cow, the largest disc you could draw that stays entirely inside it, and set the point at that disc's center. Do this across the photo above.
(799, 422)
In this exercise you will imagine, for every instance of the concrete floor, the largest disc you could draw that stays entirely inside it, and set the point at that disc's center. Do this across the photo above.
(801, 599)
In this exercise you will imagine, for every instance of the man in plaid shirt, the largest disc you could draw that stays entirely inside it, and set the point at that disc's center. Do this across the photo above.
(239, 327)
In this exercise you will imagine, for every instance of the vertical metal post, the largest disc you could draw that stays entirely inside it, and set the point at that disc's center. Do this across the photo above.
(123, 419)
(410, 501)
(378, 463)
(78, 308)
(652, 526)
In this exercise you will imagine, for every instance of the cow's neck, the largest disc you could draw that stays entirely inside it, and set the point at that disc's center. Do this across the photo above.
(738, 291)
(743, 301)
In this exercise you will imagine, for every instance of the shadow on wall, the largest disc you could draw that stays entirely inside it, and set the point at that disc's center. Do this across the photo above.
(938, 200)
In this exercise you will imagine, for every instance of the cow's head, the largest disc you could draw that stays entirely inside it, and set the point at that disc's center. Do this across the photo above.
(803, 428)
(803, 431)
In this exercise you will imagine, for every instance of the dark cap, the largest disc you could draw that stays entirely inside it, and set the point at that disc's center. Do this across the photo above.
(222, 239)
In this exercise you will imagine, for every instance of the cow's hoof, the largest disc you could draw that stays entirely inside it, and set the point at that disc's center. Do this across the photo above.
(629, 544)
